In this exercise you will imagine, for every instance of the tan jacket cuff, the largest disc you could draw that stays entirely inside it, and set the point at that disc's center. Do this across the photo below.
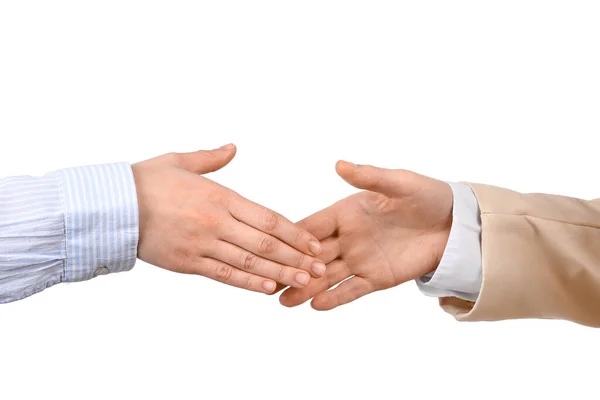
(540, 258)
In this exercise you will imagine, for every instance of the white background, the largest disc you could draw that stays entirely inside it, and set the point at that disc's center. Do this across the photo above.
(505, 93)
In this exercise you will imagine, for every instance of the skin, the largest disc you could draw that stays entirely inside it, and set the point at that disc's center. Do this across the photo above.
(190, 224)
(393, 232)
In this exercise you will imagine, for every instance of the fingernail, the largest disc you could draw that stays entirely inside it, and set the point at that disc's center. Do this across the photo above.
(318, 268)
(269, 286)
(302, 279)
(315, 247)
(226, 147)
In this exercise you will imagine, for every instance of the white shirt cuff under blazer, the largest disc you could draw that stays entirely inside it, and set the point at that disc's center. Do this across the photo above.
(69, 225)
(459, 272)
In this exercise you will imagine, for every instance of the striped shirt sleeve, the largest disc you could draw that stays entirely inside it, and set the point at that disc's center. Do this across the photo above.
(67, 226)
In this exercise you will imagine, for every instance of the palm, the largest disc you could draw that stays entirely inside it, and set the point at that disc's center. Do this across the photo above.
(382, 240)
(379, 240)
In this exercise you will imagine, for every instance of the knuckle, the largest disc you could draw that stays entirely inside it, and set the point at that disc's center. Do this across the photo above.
(174, 158)
(249, 261)
(208, 220)
(248, 284)
(298, 237)
(281, 274)
(300, 261)
(205, 153)
(266, 244)
(218, 197)
(339, 298)
(183, 261)
(270, 220)
(223, 273)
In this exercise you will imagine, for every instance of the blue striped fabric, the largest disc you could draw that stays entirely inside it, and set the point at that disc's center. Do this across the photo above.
(67, 226)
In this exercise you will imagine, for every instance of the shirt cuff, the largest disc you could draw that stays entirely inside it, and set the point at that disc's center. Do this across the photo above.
(101, 220)
(459, 272)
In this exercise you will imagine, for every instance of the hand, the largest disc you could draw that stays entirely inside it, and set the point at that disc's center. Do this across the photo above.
(192, 225)
(395, 232)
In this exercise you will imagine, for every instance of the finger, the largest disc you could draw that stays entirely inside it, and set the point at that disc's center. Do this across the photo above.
(271, 248)
(224, 273)
(253, 264)
(270, 222)
(331, 250)
(321, 224)
(205, 161)
(385, 181)
(346, 292)
(337, 271)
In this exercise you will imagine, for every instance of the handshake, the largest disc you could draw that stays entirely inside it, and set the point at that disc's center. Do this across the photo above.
(394, 231)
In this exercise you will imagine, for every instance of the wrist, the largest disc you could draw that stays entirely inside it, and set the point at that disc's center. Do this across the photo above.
(459, 271)
(442, 234)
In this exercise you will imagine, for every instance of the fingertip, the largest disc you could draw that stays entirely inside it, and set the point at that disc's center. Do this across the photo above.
(231, 151)
(315, 247)
(284, 300)
(344, 167)
(321, 304)
(269, 286)
(302, 279)
(292, 297)
(318, 268)
(229, 146)
(228, 151)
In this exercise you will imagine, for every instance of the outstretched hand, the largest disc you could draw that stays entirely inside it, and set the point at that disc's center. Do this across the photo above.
(394, 231)
(192, 225)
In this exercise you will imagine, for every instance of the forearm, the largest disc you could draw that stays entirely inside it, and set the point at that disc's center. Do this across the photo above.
(67, 226)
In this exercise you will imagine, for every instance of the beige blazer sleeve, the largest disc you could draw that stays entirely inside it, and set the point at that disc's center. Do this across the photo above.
(540, 258)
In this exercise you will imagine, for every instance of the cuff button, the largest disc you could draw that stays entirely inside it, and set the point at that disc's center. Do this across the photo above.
(101, 271)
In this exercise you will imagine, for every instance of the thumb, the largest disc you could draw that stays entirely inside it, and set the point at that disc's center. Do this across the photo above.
(385, 181)
(205, 161)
